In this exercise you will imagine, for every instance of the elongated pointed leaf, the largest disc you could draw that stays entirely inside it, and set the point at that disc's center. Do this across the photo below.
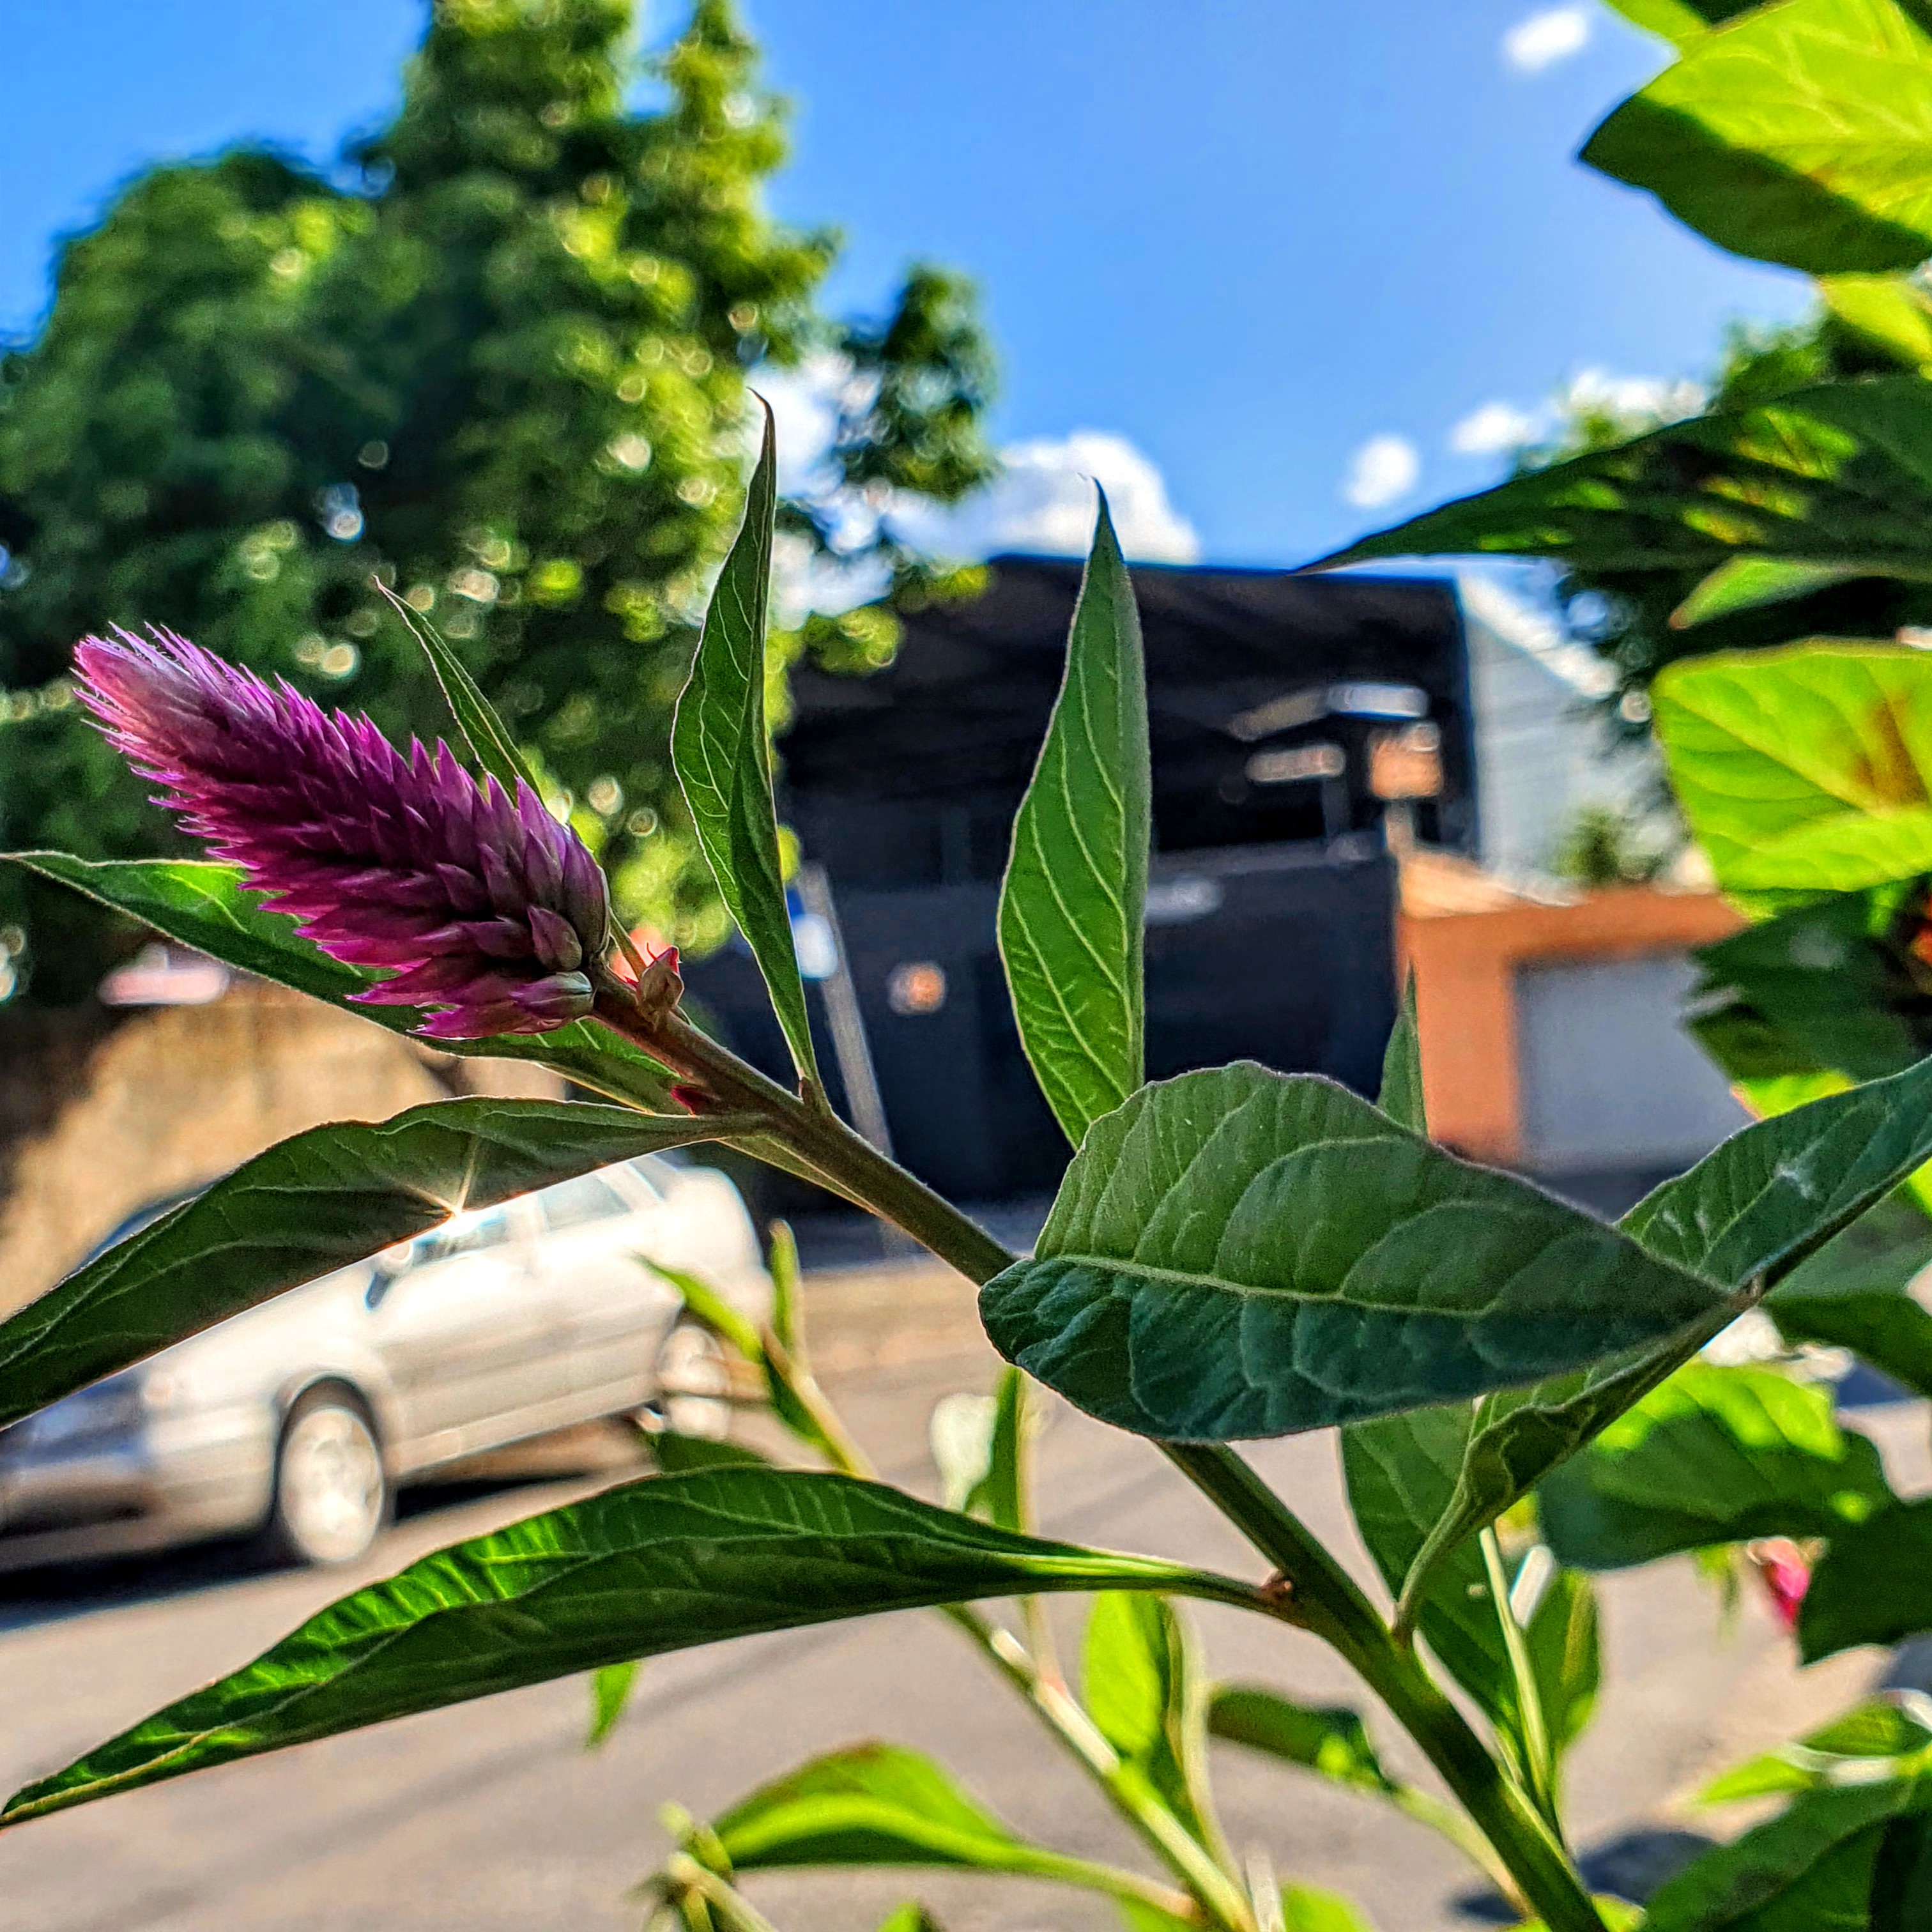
(1866, 1742)
(487, 737)
(1805, 770)
(207, 906)
(880, 1804)
(1800, 134)
(310, 1204)
(1715, 1455)
(1330, 1740)
(1076, 882)
(610, 1690)
(1240, 1253)
(719, 746)
(1872, 1586)
(642, 1569)
(1836, 474)
(1749, 582)
(1401, 1097)
(1310, 1908)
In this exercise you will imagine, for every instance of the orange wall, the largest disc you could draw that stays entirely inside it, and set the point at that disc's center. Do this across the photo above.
(1465, 965)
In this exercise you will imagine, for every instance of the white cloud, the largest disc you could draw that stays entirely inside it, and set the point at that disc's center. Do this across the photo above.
(1494, 429)
(1043, 502)
(1648, 399)
(1384, 468)
(1545, 37)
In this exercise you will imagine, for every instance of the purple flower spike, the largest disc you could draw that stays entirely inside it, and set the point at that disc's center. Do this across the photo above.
(491, 914)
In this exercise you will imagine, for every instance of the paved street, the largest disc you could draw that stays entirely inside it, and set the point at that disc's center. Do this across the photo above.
(492, 1818)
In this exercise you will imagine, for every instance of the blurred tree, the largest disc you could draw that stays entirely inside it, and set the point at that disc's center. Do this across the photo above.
(503, 370)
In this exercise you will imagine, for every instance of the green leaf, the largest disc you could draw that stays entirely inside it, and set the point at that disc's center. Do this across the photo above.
(1803, 770)
(207, 906)
(1838, 474)
(1239, 1252)
(1716, 1455)
(1749, 582)
(1887, 313)
(1872, 1586)
(1401, 1097)
(1891, 1332)
(1810, 1869)
(678, 1455)
(638, 1571)
(1865, 1743)
(311, 1204)
(1901, 1893)
(723, 756)
(1070, 908)
(610, 1690)
(1566, 1656)
(872, 1804)
(1142, 1686)
(1800, 134)
(1680, 21)
(486, 734)
(1330, 1739)
(1307, 1908)
(979, 1447)
(787, 1292)
(910, 1917)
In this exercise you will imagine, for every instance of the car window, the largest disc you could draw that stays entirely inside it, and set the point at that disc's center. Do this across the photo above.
(467, 1234)
(572, 1203)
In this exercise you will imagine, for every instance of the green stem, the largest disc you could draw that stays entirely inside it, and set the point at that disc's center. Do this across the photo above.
(1542, 1760)
(1329, 1603)
(1321, 1597)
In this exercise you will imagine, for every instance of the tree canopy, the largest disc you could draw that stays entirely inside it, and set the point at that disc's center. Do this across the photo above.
(498, 362)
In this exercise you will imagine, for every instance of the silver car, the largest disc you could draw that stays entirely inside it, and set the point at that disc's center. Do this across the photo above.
(299, 1419)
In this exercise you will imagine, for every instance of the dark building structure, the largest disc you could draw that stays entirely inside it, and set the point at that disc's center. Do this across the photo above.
(1285, 713)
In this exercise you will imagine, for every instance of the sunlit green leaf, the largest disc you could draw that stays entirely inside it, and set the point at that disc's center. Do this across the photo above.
(1865, 1741)
(1889, 313)
(310, 1204)
(1070, 908)
(1716, 1455)
(1803, 770)
(1240, 1253)
(723, 757)
(640, 1569)
(1680, 21)
(1308, 1908)
(1747, 583)
(1800, 134)
(610, 1690)
(1330, 1739)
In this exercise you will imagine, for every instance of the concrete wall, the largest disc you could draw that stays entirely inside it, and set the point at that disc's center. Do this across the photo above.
(97, 1122)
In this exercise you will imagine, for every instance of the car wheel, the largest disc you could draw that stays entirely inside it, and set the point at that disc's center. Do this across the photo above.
(694, 1384)
(331, 1497)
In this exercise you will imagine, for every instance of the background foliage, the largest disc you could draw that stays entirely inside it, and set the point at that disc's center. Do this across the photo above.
(499, 359)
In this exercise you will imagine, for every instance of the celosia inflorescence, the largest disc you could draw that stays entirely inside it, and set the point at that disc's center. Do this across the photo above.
(488, 912)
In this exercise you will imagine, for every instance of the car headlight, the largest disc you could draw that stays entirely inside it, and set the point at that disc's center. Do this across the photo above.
(115, 1407)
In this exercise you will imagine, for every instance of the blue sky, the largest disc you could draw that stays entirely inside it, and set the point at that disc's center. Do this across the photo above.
(1226, 246)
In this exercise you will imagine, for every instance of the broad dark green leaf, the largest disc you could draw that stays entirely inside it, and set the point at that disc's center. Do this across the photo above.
(1825, 987)
(1891, 1332)
(1901, 1892)
(207, 906)
(1070, 908)
(879, 1805)
(723, 757)
(1872, 1586)
(1806, 769)
(1799, 133)
(610, 1690)
(1866, 1742)
(680, 1455)
(640, 1569)
(1330, 1739)
(485, 733)
(1715, 1455)
(1810, 1869)
(310, 1204)
(1141, 1681)
(1240, 1253)
(1401, 1097)
(1838, 474)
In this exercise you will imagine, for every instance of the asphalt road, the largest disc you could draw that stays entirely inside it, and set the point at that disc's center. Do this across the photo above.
(492, 1818)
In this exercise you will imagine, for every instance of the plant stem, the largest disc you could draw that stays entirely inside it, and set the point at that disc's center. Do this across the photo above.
(1330, 1605)
(1542, 1765)
(1323, 1598)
